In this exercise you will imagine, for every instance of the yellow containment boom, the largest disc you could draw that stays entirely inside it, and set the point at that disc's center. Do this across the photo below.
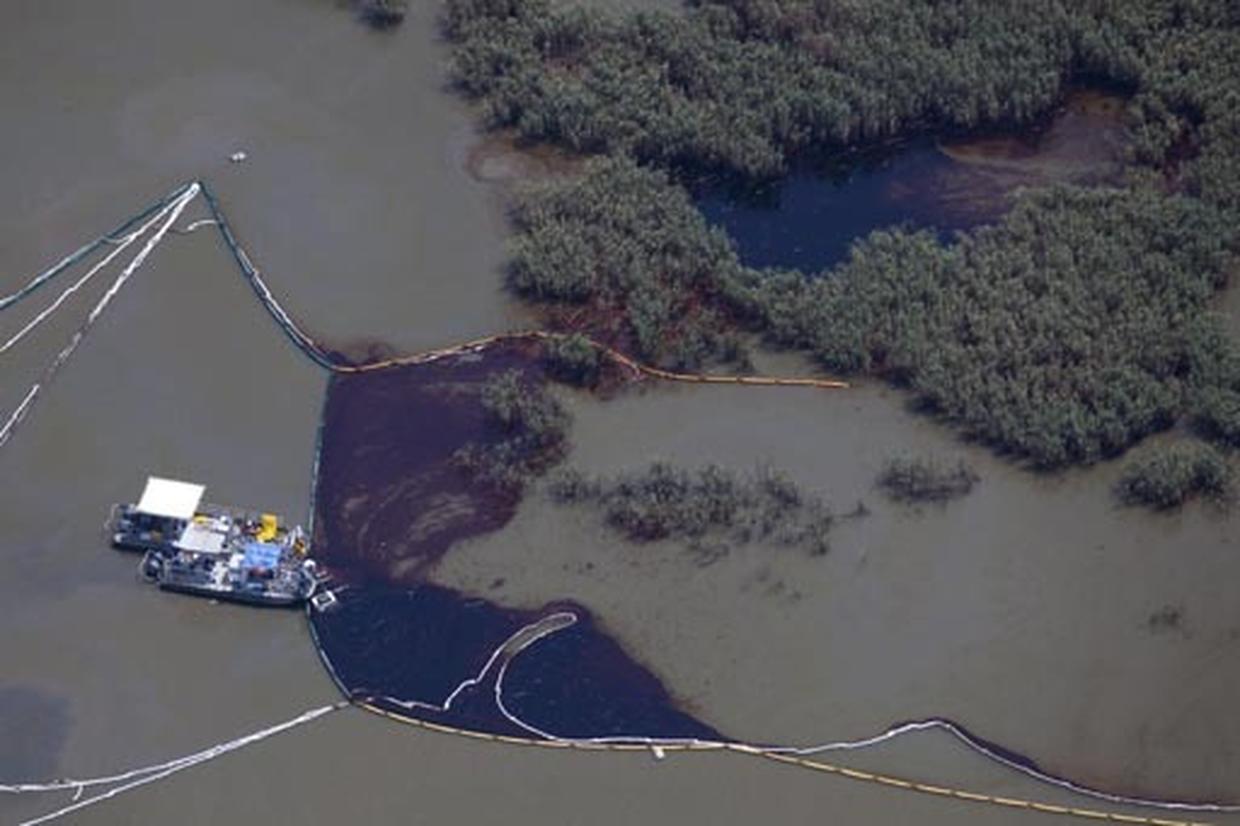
(267, 530)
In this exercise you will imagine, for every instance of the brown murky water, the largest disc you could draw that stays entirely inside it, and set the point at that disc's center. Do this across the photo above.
(1022, 609)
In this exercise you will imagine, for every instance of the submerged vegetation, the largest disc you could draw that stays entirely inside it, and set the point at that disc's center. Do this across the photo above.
(708, 508)
(531, 426)
(1167, 477)
(1069, 331)
(922, 479)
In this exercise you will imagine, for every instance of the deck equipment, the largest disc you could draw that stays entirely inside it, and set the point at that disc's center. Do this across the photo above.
(220, 552)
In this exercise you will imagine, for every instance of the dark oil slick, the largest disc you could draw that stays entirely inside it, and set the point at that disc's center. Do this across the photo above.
(391, 501)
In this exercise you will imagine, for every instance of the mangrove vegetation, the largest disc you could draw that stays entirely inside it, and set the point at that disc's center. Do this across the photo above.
(1075, 326)
(747, 85)
(1078, 325)
(1070, 330)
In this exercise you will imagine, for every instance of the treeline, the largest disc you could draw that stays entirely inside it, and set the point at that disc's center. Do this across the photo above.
(743, 84)
(747, 84)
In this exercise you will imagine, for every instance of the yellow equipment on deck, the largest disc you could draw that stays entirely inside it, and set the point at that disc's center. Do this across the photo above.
(268, 527)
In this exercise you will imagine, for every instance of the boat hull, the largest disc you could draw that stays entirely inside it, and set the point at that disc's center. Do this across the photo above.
(267, 600)
(220, 553)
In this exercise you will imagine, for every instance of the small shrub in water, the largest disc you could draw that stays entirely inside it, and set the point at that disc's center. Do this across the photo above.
(534, 427)
(574, 360)
(1167, 477)
(524, 409)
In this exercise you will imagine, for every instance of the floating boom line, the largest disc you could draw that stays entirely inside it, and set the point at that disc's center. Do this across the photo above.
(167, 211)
(803, 756)
(85, 250)
(135, 778)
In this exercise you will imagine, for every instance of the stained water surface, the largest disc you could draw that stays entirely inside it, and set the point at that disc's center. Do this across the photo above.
(391, 501)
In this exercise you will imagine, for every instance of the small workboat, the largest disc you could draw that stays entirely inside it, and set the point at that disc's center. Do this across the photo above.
(219, 552)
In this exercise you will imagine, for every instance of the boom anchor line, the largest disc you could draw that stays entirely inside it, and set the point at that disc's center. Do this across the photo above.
(161, 217)
(165, 213)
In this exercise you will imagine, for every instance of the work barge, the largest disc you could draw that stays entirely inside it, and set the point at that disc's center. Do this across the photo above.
(224, 553)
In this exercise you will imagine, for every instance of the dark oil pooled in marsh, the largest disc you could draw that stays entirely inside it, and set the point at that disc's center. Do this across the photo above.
(390, 502)
(809, 219)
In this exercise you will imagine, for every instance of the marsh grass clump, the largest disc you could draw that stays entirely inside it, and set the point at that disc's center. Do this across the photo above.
(924, 479)
(710, 507)
(1167, 477)
(573, 359)
(532, 427)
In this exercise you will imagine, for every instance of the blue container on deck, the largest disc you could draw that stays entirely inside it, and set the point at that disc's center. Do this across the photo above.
(262, 556)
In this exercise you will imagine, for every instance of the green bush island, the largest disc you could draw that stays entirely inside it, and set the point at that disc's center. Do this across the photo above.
(1166, 477)
(573, 359)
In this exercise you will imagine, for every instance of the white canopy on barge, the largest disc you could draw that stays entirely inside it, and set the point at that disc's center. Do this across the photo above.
(170, 498)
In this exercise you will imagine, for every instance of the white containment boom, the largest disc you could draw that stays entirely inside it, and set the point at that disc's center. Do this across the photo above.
(170, 498)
